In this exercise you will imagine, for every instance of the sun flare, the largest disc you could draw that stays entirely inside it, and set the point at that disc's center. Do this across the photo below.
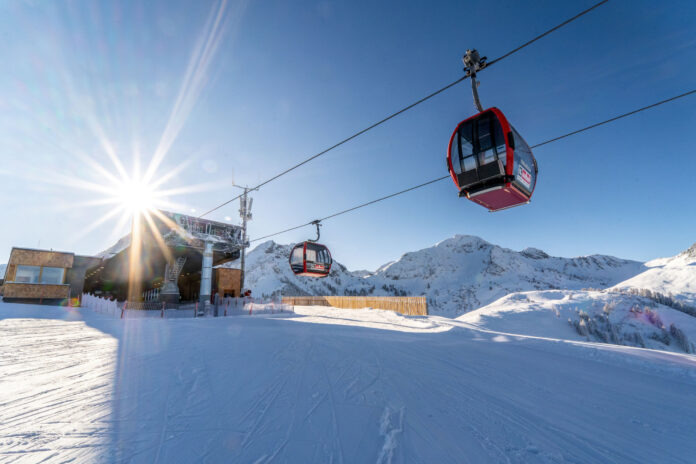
(135, 196)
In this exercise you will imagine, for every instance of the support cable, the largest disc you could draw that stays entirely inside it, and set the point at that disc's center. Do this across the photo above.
(615, 118)
(567, 21)
(415, 187)
(412, 105)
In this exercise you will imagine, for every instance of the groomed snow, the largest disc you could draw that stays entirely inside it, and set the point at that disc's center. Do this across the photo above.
(81, 387)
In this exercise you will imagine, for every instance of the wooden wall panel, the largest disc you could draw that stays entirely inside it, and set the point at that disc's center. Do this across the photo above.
(407, 305)
(37, 291)
(228, 281)
(20, 256)
(11, 271)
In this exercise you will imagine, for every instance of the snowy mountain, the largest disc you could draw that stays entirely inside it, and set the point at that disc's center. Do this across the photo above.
(674, 277)
(268, 273)
(457, 275)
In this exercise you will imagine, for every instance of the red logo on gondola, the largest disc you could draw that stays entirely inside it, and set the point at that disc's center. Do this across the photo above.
(318, 266)
(525, 177)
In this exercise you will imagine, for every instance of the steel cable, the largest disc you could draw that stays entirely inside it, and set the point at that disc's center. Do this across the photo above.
(406, 108)
(386, 197)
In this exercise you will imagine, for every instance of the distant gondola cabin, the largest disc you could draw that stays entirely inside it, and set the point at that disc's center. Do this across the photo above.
(310, 259)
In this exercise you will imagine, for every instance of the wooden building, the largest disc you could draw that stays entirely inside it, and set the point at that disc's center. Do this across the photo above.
(228, 282)
(44, 276)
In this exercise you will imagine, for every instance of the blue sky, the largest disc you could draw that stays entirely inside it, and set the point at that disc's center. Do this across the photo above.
(282, 80)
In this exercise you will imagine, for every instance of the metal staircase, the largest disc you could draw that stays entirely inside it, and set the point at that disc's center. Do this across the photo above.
(174, 269)
(170, 289)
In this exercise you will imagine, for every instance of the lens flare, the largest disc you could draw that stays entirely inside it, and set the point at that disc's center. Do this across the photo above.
(85, 115)
(136, 197)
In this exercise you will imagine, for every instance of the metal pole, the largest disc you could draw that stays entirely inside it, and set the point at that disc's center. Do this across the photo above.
(206, 275)
(243, 214)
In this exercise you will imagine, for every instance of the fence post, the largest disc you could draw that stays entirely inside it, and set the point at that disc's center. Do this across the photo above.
(163, 303)
(195, 311)
(226, 306)
(124, 308)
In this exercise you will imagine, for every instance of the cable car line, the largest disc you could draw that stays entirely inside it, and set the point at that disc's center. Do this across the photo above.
(348, 139)
(354, 208)
(615, 118)
(357, 134)
(415, 187)
(547, 32)
(406, 108)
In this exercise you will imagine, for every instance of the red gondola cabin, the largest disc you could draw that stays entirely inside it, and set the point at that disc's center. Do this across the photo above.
(310, 259)
(490, 163)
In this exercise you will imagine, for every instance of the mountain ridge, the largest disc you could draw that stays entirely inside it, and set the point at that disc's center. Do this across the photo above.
(457, 275)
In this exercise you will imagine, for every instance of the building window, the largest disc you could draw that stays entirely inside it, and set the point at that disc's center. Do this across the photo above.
(28, 274)
(52, 275)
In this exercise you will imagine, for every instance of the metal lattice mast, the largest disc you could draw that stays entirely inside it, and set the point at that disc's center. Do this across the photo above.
(245, 215)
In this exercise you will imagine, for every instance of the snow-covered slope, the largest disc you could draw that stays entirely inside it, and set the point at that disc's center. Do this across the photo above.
(82, 388)
(602, 316)
(675, 277)
(457, 275)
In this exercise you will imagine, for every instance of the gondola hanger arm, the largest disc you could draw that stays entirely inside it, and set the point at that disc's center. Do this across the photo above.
(473, 63)
(317, 223)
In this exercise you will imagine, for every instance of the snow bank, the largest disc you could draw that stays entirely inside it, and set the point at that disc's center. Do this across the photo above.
(675, 277)
(603, 316)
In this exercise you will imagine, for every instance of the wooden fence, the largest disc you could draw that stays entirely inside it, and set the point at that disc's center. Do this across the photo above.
(408, 305)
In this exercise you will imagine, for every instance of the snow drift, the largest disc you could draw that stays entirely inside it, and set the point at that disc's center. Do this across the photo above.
(598, 316)
(674, 277)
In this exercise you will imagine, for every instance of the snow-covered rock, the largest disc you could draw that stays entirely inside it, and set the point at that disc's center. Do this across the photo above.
(457, 275)
(674, 277)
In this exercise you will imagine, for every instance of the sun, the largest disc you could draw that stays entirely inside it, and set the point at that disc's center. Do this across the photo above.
(136, 196)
